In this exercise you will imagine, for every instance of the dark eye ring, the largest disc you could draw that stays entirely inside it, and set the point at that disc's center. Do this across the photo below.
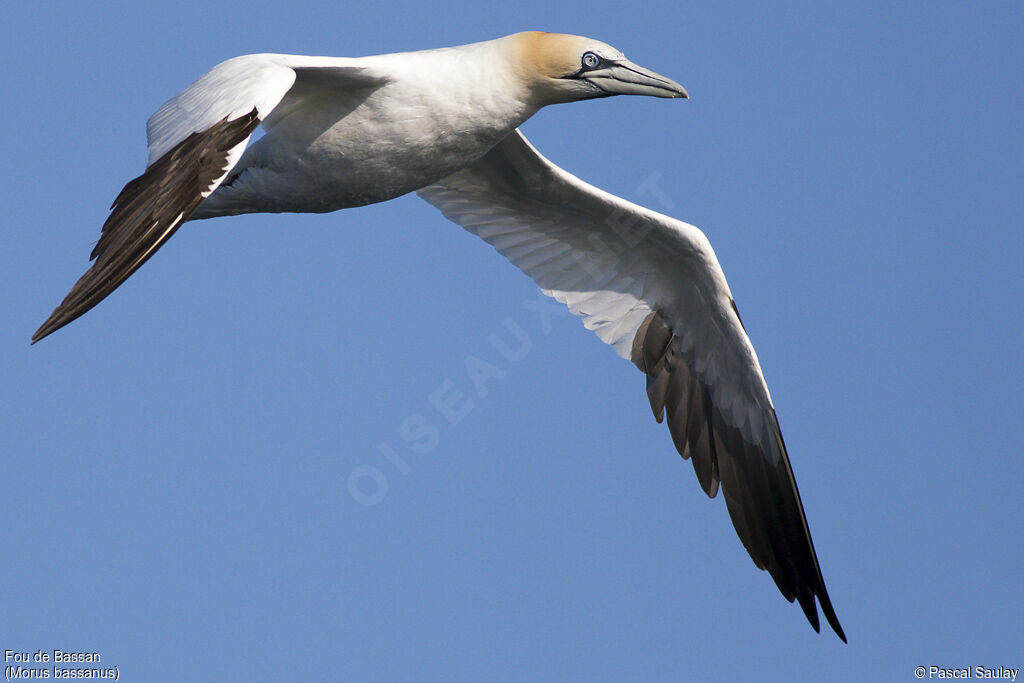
(590, 60)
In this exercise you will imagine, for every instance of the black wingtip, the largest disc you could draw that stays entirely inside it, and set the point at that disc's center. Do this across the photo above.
(149, 210)
(806, 600)
(74, 305)
(834, 623)
(51, 325)
(58, 319)
(830, 613)
(755, 476)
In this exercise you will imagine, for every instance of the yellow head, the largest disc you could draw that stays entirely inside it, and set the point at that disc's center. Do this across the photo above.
(563, 68)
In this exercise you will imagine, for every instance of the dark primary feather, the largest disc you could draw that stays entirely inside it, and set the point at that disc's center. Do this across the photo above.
(762, 498)
(148, 211)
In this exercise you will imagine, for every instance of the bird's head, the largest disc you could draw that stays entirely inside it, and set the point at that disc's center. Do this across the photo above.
(566, 68)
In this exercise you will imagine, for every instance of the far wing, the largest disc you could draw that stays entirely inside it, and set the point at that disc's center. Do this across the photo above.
(194, 141)
(651, 286)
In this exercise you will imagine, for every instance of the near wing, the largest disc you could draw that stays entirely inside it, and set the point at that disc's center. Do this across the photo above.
(194, 141)
(651, 286)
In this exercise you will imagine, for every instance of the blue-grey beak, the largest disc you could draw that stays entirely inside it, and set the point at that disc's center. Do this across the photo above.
(623, 77)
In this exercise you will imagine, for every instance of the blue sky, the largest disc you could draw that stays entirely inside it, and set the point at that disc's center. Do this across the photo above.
(176, 463)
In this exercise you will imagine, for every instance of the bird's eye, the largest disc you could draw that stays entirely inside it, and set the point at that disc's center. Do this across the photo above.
(590, 60)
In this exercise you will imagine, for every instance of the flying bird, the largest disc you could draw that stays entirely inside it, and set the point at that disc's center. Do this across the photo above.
(345, 132)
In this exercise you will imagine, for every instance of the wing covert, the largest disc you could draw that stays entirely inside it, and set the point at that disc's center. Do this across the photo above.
(237, 86)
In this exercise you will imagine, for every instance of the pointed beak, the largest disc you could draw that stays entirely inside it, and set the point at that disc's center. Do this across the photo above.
(626, 78)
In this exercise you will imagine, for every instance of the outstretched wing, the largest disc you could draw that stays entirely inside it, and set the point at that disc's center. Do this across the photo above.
(651, 286)
(194, 141)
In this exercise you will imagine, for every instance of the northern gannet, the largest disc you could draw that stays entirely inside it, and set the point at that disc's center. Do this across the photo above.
(344, 132)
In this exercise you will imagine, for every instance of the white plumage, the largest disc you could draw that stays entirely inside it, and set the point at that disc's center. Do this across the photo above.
(345, 132)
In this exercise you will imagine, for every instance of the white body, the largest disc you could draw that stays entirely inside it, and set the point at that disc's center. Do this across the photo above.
(335, 148)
